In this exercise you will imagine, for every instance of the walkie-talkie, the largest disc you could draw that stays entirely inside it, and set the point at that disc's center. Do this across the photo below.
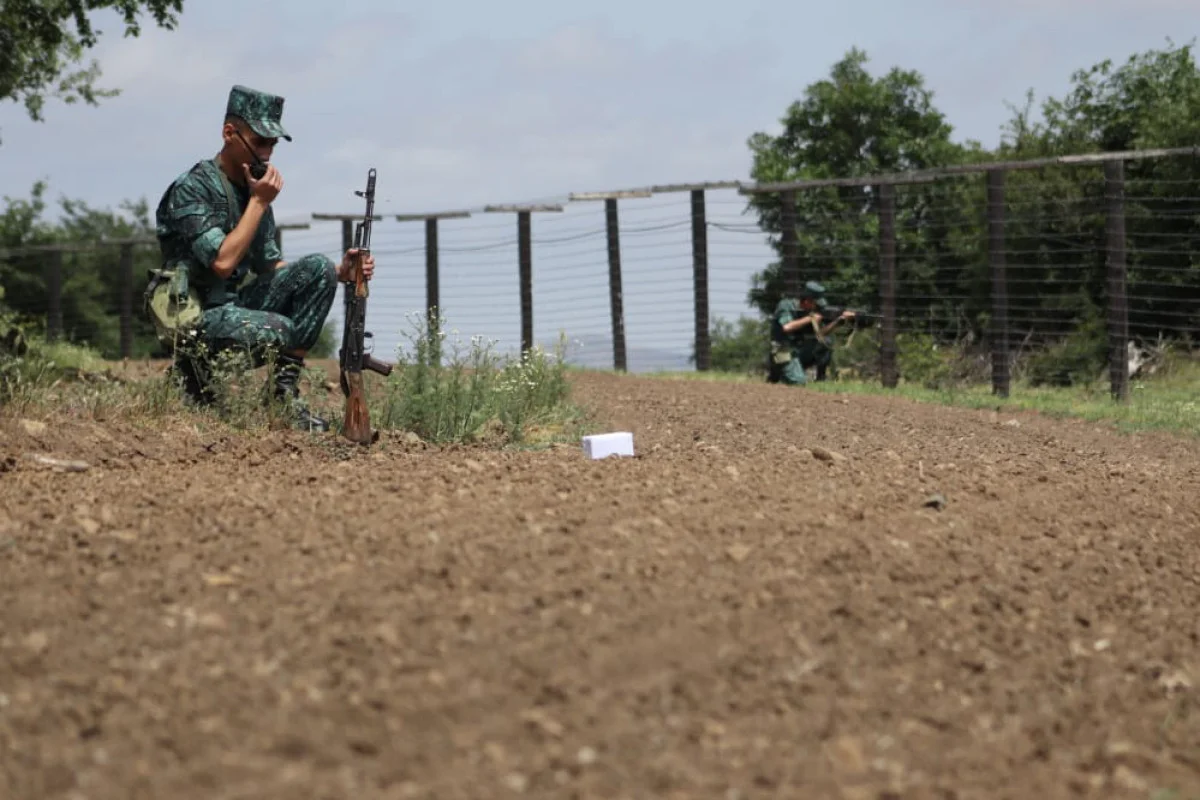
(259, 167)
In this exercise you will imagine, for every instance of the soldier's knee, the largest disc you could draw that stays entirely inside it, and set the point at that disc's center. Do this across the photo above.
(793, 374)
(321, 267)
(328, 269)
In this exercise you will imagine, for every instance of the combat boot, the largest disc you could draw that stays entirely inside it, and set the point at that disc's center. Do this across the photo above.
(287, 378)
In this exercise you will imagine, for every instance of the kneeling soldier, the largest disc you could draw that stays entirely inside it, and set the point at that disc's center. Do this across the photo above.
(800, 338)
(224, 284)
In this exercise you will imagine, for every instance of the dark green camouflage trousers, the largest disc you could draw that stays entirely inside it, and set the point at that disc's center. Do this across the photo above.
(282, 311)
(810, 353)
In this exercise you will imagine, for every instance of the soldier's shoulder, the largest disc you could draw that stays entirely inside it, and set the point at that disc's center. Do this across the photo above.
(192, 191)
(199, 178)
(785, 304)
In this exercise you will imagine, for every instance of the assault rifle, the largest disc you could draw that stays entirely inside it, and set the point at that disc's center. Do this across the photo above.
(356, 426)
(830, 313)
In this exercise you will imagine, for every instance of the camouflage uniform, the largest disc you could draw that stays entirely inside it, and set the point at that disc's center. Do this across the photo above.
(792, 353)
(258, 309)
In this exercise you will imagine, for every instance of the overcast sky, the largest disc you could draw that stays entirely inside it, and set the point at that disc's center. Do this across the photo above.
(459, 103)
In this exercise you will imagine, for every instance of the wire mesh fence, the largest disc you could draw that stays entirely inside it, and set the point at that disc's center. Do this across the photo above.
(1015, 260)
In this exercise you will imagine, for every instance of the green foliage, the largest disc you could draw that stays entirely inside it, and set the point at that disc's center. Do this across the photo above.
(36, 374)
(1149, 101)
(39, 51)
(327, 342)
(91, 277)
(1153, 405)
(738, 349)
(471, 394)
(851, 125)
(1079, 358)
(856, 356)
(918, 359)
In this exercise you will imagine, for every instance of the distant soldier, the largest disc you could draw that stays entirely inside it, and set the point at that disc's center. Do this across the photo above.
(224, 284)
(800, 337)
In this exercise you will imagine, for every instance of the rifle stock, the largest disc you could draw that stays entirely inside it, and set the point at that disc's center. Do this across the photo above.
(353, 358)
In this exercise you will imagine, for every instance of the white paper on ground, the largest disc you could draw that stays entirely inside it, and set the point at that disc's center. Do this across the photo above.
(603, 445)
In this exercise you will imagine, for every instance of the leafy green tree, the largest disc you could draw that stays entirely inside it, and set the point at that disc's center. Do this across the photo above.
(853, 124)
(91, 278)
(1151, 100)
(1148, 101)
(40, 54)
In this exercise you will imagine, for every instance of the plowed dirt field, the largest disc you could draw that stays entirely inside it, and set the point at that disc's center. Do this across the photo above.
(939, 603)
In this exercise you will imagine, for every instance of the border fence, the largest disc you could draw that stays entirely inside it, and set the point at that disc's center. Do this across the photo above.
(1018, 256)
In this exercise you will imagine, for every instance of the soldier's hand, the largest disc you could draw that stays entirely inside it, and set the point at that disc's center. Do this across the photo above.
(368, 264)
(267, 187)
(847, 314)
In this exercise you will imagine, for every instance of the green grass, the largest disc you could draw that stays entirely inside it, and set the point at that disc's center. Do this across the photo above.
(1150, 407)
(443, 391)
(448, 390)
(1168, 401)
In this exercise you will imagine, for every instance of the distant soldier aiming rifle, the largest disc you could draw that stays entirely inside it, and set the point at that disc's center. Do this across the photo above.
(802, 338)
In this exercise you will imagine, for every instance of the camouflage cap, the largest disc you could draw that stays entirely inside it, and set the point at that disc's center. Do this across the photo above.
(261, 111)
(815, 292)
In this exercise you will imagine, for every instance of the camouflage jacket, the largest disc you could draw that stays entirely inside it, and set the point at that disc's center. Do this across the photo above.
(786, 311)
(195, 214)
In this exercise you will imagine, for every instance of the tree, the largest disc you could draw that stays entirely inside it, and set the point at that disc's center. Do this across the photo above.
(39, 53)
(91, 280)
(848, 125)
(852, 124)
(1151, 100)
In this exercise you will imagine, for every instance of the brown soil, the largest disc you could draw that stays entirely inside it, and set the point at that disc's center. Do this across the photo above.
(205, 616)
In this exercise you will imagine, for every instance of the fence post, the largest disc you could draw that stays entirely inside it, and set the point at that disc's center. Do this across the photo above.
(1118, 301)
(614, 283)
(616, 294)
(700, 281)
(432, 293)
(347, 221)
(1001, 373)
(787, 225)
(431, 271)
(126, 300)
(288, 226)
(525, 272)
(54, 280)
(524, 262)
(887, 285)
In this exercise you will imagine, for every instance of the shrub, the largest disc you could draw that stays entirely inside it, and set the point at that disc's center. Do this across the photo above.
(1079, 358)
(327, 342)
(856, 355)
(740, 350)
(471, 394)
